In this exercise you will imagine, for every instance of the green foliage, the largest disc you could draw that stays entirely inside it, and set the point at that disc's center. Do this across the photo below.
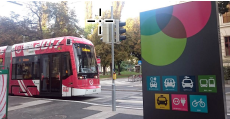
(103, 50)
(88, 28)
(133, 36)
(44, 20)
(124, 74)
(226, 71)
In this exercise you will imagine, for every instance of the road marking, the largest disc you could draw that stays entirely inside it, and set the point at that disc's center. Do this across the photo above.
(28, 104)
(130, 101)
(106, 112)
(94, 99)
(95, 104)
(135, 97)
(129, 86)
(228, 114)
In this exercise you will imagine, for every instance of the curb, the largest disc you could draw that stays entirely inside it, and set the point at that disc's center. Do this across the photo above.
(122, 90)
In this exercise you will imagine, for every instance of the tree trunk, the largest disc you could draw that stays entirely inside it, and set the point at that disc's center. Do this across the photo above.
(119, 70)
(40, 25)
(103, 70)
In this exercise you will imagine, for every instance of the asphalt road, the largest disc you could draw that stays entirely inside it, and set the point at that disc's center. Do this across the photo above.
(129, 104)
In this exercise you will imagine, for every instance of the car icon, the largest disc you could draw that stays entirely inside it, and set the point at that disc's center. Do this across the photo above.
(169, 82)
(187, 83)
(161, 100)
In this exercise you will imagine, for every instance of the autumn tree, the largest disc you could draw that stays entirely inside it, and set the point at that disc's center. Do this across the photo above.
(133, 36)
(36, 12)
(12, 30)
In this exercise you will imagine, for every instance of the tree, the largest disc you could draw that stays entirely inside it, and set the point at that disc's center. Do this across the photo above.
(88, 28)
(133, 36)
(103, 50)
(12, 30)
(36, 12)
(88, 10)
(65, 22)
(222, 7)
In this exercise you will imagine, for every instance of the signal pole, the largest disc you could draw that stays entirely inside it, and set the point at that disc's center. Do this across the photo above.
(113, 80)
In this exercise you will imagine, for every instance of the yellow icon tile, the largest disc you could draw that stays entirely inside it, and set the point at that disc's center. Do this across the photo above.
(162, 101)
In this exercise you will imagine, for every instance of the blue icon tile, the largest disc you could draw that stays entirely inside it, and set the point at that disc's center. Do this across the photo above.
(153, 83)
(198, 103)
(169, 83)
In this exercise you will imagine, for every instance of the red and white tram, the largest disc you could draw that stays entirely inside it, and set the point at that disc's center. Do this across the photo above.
(64, 66)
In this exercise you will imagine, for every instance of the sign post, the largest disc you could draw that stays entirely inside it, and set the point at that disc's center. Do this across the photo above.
(182, 63)
(4, 87)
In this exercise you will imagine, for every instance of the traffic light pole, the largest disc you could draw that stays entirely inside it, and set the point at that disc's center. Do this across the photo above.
(113, 80)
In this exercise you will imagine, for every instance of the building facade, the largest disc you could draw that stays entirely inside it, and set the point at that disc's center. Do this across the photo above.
(224, 22)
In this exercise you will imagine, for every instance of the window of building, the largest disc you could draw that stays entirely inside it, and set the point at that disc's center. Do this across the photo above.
(226, 16)
(227, 46)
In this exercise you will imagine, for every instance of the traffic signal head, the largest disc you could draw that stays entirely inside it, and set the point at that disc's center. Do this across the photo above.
(120, 30)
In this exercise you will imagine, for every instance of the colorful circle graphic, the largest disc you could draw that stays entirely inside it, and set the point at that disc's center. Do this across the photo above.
(164, 31)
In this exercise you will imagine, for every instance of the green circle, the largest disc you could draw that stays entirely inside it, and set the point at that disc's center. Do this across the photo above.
(160, 49)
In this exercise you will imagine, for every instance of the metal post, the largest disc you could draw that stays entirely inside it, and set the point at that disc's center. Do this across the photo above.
(113, 82)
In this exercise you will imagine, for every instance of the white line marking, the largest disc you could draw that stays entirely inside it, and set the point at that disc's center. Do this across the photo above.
(90, 103)
(94, 99)
(129, 101)
(28, 104)
(106, 112)
(228, 114)
(135, 97)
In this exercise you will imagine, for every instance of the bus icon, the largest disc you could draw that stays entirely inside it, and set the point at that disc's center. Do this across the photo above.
(207, 82)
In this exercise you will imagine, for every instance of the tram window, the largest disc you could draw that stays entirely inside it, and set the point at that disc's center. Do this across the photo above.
(36, 67)
(1, 61)
(27, 70)
(22, 67)
(66, 70)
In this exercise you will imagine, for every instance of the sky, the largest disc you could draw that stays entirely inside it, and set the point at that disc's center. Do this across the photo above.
(131, 8)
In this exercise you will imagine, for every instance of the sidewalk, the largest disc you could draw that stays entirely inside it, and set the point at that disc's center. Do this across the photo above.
(227, 85)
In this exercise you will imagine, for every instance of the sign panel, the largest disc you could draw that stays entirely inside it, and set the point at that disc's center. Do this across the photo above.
(162, 101)
(207, 83)
(139, 62)
(98, 60)
(179, 102)
(187, 83)
(180, 49)
(169, 83)
(198, 103)
(4, 93)
(153, 83)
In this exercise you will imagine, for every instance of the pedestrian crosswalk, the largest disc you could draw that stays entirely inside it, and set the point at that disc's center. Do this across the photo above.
(120, 82)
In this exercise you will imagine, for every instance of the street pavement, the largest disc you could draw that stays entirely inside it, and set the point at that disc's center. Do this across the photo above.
(129, 104)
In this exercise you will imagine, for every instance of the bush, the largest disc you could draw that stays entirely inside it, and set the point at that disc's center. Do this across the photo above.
(226, 71)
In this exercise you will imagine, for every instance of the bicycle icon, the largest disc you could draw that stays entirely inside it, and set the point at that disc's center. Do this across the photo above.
(201, 103)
